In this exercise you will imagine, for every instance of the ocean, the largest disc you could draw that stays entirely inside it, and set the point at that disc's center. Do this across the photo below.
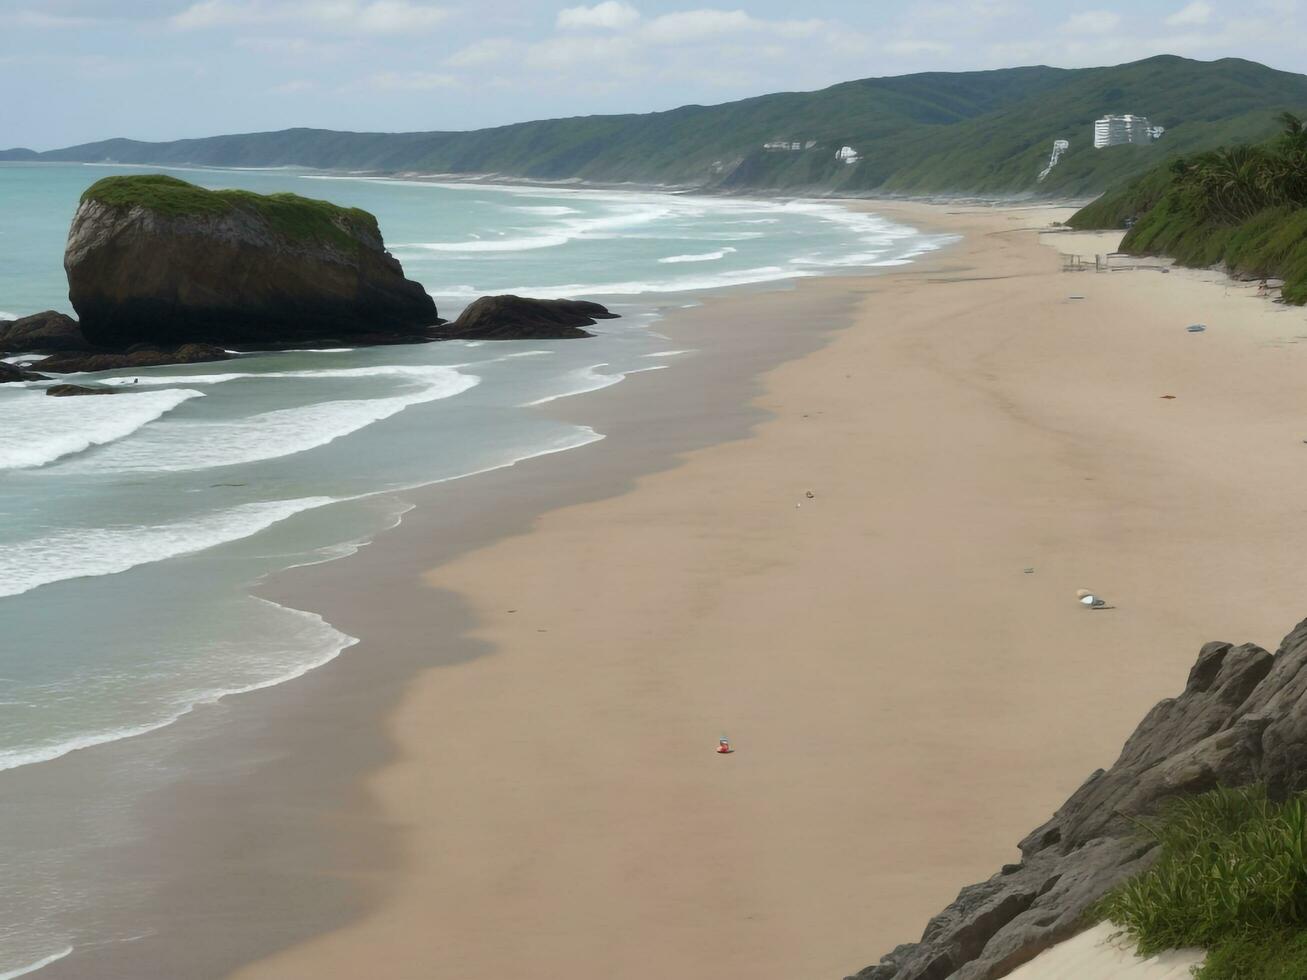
(132, 529)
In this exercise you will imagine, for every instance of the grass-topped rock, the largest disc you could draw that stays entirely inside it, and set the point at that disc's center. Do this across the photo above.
(153, 259)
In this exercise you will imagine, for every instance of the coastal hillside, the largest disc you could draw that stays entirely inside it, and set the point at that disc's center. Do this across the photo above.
(1241, 207)
(990, 132)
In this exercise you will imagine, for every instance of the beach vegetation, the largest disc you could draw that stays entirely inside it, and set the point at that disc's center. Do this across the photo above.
(1243, 207)
(296, 218)
(1230, 878)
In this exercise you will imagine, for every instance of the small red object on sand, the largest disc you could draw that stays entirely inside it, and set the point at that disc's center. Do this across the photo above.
(724, 746)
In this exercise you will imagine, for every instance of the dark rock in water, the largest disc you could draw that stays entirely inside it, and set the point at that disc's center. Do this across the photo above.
(41, 333)
(70, 391)
(1242, 718)
(156, 260)
(520, 318)
(138, 357)
(12, 372)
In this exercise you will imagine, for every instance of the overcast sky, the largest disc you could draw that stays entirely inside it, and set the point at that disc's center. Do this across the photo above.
(72, 71)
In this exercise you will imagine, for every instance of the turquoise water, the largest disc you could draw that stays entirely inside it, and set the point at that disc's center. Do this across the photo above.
(142, 520)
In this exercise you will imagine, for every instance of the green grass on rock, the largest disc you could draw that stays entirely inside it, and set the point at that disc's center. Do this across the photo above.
(294, 217)
(1231, 878)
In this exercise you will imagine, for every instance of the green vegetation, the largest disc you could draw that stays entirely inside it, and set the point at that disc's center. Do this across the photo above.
(988, 132)
(294, 217)
(1244, 206)
(1231, 878)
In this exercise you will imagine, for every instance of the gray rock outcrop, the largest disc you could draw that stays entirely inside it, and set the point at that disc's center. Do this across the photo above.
(152, 259)
(137, 357)
(522, 318)
(12, 372)
(41, 333)
(1242, 718)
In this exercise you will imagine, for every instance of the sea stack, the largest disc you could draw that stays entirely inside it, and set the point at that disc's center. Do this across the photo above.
(152, 259)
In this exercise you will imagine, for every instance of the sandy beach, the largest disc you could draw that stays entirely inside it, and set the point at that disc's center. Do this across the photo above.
(905, 699)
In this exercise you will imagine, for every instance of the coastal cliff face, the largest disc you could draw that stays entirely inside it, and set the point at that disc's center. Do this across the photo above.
(152, 259)
(1242, 718)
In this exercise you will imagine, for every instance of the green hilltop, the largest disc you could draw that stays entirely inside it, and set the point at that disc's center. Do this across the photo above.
(294, 217)
(987, 132)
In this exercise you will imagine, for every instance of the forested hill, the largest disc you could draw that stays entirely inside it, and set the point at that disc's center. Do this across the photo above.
(985, 132)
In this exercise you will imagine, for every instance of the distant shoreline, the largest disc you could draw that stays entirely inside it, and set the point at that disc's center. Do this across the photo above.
(576, 183)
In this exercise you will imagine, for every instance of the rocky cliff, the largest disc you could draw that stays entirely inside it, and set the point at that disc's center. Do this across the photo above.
(153, 259)
(1242, 718)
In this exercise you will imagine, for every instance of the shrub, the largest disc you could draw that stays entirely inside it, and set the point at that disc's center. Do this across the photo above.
(1230, 878)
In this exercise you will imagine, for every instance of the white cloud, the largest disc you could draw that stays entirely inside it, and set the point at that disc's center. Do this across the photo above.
(1092, 22)
(1198, 12)
(563, 53)
(610, 15)
(911, 48)
(295, 86)
(40, 19)
(294, 48)
(701, 25)
(488, 51)
(375, 17)
(413, 81)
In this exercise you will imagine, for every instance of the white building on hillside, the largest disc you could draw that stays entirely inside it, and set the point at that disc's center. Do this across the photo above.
(847, 155)
(1117, 130)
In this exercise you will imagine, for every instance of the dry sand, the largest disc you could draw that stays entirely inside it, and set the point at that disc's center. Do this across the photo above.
(905, 700)
(1096, 955)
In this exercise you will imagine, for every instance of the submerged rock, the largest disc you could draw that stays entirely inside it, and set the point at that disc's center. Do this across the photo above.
(41, 333)
(521, 318)
(12, 372)
(136, 357)
(1242, 718)
(70, 391)
(154, 259)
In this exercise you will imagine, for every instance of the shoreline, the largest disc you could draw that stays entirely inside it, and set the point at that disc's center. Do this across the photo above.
(273, 757)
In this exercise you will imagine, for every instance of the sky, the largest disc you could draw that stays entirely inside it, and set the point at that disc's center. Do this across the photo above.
(74, 71)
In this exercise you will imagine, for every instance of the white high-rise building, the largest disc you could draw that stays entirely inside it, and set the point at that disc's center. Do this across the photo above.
(1116, 130)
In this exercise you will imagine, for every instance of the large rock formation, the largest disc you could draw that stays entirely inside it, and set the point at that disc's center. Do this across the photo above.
(154, 259)
(1242, 718)
(520, 318)
(41, 333)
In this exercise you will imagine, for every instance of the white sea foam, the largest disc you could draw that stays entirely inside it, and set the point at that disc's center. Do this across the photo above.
(554, 235)
(39, 430)
(668, 353)
(701, 257)
(196, 445)
(415, 372)
(587, 379)
(93, 551)
(317, 643)
(44, 961)
(546, 210)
